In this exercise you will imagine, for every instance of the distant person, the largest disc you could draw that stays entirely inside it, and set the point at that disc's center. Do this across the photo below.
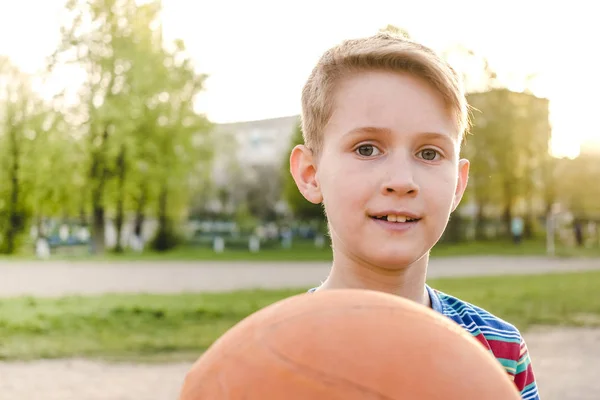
(517, 227)
(286, 237)
(383, 119)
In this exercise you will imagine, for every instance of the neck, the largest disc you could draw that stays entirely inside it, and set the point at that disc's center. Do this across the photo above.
(407, 282)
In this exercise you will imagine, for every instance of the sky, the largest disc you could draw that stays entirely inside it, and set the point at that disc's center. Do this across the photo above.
(259, 53)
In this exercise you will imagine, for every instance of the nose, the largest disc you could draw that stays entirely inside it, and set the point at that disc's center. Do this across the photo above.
(400, 178)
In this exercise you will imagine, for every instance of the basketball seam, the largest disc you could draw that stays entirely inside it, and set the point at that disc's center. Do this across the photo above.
(326, 377)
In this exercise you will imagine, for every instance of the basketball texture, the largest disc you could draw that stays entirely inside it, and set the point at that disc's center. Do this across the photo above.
(347, 344)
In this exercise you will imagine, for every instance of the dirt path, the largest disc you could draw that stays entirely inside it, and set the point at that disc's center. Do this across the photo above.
(56, 278)
(567, 362)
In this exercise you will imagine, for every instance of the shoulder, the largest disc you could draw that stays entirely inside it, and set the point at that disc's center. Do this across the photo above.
(500, 337)
(477, 320)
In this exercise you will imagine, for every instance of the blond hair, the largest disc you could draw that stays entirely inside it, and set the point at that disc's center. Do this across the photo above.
(383, 51)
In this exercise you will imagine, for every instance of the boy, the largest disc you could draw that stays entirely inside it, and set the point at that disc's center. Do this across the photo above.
(383, 120)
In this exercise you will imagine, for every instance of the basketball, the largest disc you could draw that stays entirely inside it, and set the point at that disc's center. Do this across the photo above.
(347, 344)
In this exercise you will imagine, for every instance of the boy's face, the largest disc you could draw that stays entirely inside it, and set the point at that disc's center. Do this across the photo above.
(389, 172)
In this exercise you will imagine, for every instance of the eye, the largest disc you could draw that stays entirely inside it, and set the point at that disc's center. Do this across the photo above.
(429, 154)
(367, 150)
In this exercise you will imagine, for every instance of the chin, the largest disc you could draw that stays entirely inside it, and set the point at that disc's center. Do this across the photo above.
(396, 259)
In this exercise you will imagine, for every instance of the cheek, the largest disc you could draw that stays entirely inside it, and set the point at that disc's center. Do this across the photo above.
(440, 188)
(345, 190)
(339, 193)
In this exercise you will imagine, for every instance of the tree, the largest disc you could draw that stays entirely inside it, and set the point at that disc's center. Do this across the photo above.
(509, 151)
(178, 128)
(577, 188)
(137, 102)
(17, 129)
(58, 185)
(97, 36)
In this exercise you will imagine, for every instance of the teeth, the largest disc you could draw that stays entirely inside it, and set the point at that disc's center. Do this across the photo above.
(397, 218)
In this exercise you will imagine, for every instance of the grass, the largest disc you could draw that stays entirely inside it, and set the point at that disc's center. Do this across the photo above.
(122, 326)
(180, 327)
(306, 251)
(507, 248)
(301, 251)
(557, 299)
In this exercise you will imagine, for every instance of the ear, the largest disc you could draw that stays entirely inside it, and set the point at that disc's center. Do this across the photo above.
(304, 172)
(461, 184)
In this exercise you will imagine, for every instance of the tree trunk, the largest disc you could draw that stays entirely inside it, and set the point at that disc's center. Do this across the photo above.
(140, 213)
(454, 230)
(162, 209)
(480, 223)
(98, 231)
(98, 175)
(121, 173)
(82, 217)
(15, 217)
(165, 237)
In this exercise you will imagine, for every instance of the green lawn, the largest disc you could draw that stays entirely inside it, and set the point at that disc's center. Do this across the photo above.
(306, 251)
(168, 327)
(500, 247)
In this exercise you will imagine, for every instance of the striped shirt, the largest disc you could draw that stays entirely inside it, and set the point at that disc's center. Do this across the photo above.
(502, 339)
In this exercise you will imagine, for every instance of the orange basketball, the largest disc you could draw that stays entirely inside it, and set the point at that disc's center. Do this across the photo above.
(348, 345)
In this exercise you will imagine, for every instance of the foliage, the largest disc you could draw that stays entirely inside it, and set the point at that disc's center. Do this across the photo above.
(140, 141)
(509, 152)
(577, 185)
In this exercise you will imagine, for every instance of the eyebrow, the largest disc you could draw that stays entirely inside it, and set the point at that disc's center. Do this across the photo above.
(437, 136)
(386, 131)
(370, 130)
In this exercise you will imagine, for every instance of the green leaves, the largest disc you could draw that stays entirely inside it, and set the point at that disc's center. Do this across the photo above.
(509, 153)
(21, 126)
(129, 137)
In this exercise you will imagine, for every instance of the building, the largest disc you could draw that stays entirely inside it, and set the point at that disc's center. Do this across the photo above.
(250, 144)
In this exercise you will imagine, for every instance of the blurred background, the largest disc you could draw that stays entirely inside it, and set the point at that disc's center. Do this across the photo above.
(145, 125)
(144, 153)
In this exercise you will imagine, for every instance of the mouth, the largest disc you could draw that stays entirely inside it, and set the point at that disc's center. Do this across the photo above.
(398, 218)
